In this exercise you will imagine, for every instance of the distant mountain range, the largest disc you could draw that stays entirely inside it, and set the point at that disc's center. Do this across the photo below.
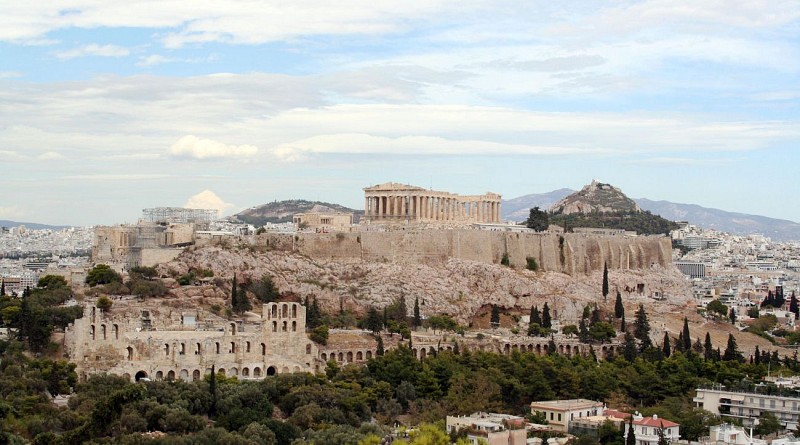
(517, 209)
(32, 226)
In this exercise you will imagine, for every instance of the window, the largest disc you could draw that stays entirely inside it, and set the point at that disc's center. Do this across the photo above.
(247, 347)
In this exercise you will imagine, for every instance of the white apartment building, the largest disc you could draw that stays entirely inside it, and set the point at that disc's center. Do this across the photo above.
(560, 412)
(749, 406)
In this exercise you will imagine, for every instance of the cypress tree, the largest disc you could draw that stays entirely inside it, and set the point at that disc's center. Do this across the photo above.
(794, 307)
(666, 347)
(732, 350)
(619, 309)
(687, 338)
(629, 348)
(583, 332)
(379, 350)
(417, 321)
(757, 356)
(732, 315)
(605, 281)
(212, 388)
(547, 322)
(495, 317)
(623, 327)
(630, 439)
(708, 347)
(3, 288)
(233, 292)
(535, 316)
(641, 329)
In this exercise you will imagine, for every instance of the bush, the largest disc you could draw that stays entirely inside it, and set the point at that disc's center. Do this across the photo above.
(102, 274)
(504, 260)
(186, 279)
(319, 335)
(531, 264)
(104, 303)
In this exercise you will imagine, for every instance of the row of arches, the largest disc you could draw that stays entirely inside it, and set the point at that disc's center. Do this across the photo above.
(199, 349)
(347, 356)
(246, 372)
(103, 333)
(282, 310)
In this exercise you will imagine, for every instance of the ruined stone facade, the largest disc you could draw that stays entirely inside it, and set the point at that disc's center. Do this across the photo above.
(139, 340)
(143, 244)
(324, 222)
(393, 202)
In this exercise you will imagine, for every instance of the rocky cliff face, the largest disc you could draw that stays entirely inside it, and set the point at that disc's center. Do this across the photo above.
(457, 287)
(595, 198)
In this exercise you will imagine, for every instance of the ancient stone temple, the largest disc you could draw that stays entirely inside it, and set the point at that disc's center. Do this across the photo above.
(393, 202)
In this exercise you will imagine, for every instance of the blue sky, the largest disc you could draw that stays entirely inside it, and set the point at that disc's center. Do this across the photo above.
(109, 107)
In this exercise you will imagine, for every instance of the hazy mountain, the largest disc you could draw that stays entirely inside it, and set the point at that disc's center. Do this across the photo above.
(731, 222)
(283, 211)
(29, 225)
(517, 209)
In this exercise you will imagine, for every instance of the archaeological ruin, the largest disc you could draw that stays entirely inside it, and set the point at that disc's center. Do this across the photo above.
(393, 202)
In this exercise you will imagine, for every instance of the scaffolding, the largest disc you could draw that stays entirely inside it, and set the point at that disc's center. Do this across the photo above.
(179, 215)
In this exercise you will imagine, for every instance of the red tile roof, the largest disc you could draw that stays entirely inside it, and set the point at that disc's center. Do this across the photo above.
(657, 423)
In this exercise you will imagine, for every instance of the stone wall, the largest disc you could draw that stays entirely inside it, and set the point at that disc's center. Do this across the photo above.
(569, 253)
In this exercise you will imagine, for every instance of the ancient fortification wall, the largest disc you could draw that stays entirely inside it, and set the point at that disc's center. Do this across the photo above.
(571, 253)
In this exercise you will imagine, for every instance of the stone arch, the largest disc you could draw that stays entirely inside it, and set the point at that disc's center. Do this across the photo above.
(234, 371)
(274, 326)
(359, 356)
(221, 371)
(349, 356)
(422, 353)
(183, 349)
(126, 376)
(171, 375)
(560, 349)
(195, 375)
(294, 326)
(538, 349)
(184, 374)
(197, 349)
(103, 331)
(285, 311)
(247, 347)
(285, 326)
(369, 355)
(115, 331)
(324, 357)
(294, 311)
(233, 328)
(232, 350)
(140, 375)
(271, 370)
(93, 313)
(308, 348)
(284, 370)
(569, 350)
(341, 357)
(263, 349)
(432, 350)
(506, 348)
(245, 372)
(216, 347)
(159, 375)
(449, 348)
(257, 372)
(415, 352)
(91, 330)
(129, 351)
(166, 349)
(297, 369)
(274, 310)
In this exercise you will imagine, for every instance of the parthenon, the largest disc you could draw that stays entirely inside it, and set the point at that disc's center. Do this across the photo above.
(393, 202)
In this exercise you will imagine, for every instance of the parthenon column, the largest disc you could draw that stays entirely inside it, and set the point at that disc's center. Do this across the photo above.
(380, 207)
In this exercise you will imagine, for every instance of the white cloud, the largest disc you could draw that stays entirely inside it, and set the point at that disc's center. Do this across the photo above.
(94, 50)
(208, 200)
(153, 59)
(50, 156)
(11, 212)
(193, 147)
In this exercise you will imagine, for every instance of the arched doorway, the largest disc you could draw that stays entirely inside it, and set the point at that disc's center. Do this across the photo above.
(140, 375)
(271, 370)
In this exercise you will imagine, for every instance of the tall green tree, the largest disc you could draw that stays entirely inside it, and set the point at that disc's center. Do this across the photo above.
(417, 321)
(495, 317)
(373, 321)
(708, 347)
(732, 350)
(535, 316)
(212, 388)
(630, 438)
(686, 337)
(234, 292)
(793, 306)
(605, 281)
(629, 351)
(666, 347)
(641, 328)
(538, 220)
(547, 322)
(619, 308)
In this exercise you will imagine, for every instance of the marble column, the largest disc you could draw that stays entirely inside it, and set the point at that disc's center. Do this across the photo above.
(380, 206)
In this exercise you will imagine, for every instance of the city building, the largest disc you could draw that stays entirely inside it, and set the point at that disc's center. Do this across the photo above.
(646, 430)
(728, 434)
(495, 429)
(559, 413)
(748, 406)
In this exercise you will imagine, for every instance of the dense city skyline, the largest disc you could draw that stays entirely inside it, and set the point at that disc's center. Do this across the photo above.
(108, 108)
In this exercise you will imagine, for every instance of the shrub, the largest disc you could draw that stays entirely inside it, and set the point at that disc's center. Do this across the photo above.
(531, 264)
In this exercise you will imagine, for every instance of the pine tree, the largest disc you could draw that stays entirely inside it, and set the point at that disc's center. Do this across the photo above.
(583, 332)
(417, 321)
(605, 281)
(687, 338)
(666, 347)
(732, 350)
(697, 347)
(495, 317)
(708, 348)
(313, 314)
(732, 316)
(547, 322)
(619, 309)
(629, 351)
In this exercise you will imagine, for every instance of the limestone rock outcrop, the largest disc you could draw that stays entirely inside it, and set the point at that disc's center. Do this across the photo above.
(595, 198)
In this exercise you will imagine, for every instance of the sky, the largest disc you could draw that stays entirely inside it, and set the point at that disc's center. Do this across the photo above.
(109, 107)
